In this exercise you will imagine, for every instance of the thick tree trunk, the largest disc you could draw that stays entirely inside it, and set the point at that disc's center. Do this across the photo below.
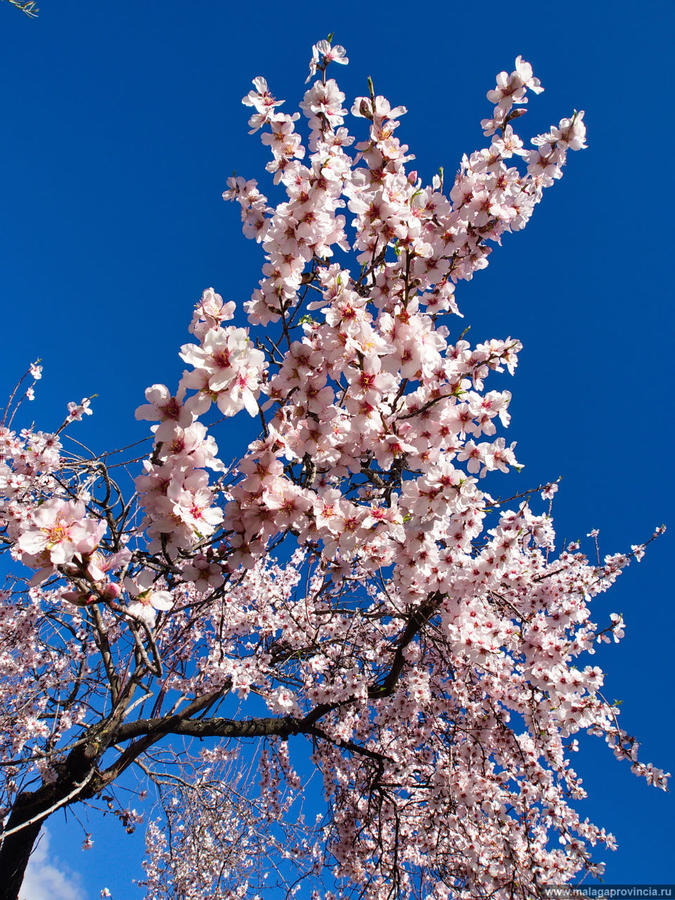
(70, 786)
(16, 849)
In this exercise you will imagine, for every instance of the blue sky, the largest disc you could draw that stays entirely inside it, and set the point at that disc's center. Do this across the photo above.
(122, 123)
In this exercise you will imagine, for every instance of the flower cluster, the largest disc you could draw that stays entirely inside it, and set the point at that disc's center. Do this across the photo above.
(46, 529)
(227, 370)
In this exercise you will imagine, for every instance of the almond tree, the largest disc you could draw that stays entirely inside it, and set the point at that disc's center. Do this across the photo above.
(347, 587)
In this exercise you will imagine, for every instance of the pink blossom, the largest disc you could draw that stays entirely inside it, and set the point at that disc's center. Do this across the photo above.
(322, 54)
(77, 410)
(58, 530)
(147, 601)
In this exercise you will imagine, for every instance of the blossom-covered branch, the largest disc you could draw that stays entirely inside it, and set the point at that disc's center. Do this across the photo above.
(348, 578)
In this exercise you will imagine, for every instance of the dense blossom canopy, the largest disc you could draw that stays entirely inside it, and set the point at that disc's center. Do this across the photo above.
(347, 579)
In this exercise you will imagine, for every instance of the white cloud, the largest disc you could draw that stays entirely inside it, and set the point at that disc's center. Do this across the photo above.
(44, 879)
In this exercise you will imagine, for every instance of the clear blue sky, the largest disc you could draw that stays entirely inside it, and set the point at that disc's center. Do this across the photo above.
(122, 123)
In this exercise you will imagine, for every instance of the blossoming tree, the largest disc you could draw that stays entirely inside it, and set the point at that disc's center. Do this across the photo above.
(346, 585)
